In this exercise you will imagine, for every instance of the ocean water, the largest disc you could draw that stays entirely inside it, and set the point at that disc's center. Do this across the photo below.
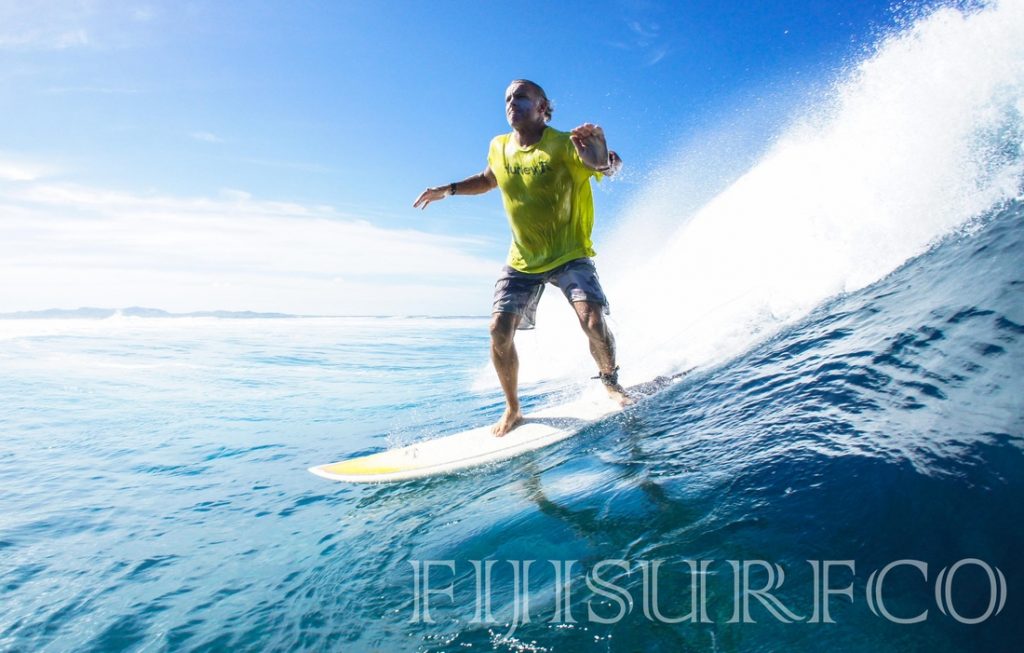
(853, 306)
(155, 495)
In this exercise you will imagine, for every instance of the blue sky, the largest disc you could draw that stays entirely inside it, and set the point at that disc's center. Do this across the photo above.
(264, 155)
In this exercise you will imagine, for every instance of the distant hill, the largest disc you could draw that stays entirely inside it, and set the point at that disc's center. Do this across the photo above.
(90, 313)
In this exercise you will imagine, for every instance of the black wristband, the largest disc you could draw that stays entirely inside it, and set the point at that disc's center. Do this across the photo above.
(451, 188)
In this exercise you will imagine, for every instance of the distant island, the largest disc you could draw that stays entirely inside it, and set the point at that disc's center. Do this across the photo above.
(90, 313)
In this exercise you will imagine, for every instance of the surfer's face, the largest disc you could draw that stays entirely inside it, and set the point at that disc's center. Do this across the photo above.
(524, 105)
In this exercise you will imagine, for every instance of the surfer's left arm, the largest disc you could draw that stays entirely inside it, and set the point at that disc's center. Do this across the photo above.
(590, 144)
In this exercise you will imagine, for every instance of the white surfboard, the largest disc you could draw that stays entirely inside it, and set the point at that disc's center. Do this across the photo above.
(478, 446)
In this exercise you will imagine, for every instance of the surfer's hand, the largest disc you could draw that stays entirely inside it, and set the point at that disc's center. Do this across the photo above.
(614, 163)
(430, 195)
(590, 145)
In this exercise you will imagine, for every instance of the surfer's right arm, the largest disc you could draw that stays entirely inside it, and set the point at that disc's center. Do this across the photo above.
(474, 185)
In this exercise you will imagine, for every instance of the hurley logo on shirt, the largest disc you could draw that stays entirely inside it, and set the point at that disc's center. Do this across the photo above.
(539, 169)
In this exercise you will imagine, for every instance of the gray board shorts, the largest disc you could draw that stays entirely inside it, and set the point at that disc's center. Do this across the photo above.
(518, 292)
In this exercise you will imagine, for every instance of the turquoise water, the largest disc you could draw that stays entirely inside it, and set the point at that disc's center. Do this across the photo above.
(143, 459)
(155, 494)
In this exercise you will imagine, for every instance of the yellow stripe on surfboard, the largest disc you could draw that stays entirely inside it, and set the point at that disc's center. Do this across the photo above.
(365, 466)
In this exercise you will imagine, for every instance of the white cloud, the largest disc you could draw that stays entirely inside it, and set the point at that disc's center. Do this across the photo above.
(74, 24)
(644, 31)
(657, 56)
(65, 245)
(44, 39)
(643, 37)
(97, 90)
(52, 26)
(17, 170)
(144, 14)
(206, 137)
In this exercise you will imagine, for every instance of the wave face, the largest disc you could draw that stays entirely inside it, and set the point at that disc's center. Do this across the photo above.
(913, 143)
(886, 425)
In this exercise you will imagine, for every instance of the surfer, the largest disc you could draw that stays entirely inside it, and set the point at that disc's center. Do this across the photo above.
(544, 176)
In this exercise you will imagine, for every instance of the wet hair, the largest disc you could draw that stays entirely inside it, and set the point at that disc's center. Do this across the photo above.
(549, 107)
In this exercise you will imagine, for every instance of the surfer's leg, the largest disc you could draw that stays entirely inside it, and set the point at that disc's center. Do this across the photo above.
(602, 347)
(506, 364)
(579, 283)
(516, 295)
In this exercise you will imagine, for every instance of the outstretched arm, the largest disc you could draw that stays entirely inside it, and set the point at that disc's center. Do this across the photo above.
(474, 185)
(593, 149)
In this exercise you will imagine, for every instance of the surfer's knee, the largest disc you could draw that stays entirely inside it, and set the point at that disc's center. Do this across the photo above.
(591, 318)
(503, 328)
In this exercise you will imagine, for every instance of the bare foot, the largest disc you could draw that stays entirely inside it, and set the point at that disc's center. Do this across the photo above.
(508, 421)
(618, 395)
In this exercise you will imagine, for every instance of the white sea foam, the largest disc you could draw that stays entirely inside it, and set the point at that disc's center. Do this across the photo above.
(922, 136)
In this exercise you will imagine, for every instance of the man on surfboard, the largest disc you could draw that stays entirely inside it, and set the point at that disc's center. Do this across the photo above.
(544, 176)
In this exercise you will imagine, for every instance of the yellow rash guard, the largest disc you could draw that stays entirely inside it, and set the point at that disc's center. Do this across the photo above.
(546, 191)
